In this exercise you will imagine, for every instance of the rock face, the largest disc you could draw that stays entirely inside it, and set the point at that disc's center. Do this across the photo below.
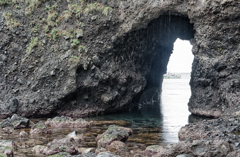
(80, 62)
(224, 129)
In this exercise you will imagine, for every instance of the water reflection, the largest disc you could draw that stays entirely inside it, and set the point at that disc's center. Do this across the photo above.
(149, 103)
(174, 99)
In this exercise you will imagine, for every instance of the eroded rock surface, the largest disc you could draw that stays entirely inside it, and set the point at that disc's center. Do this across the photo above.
(114, 54)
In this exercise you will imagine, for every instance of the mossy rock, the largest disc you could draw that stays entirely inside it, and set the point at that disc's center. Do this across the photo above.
(39, 125)
(2, 155)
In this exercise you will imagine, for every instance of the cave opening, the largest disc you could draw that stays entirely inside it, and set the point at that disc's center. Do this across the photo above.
(170, 28)
(176, 90)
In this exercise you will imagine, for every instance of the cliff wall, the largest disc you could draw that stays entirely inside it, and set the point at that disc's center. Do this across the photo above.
(82, 57)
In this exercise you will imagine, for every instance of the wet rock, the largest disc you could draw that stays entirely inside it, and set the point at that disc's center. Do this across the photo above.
(8, 130)
(107, 154)
(6, 148)
(86, 150)
(59, 145)
(23, 134)
(39, 129)
(15, 121)
(114, 133)
(152, 150)
(62, 154)
(78, 137)
(38, 149)
(195, 148)
(67, 122)
(117, 147)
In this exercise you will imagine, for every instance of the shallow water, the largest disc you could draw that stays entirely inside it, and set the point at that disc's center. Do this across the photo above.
(147, 130)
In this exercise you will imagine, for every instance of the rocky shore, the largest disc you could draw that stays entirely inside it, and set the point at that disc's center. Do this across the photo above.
(79, 58)
(217, 137)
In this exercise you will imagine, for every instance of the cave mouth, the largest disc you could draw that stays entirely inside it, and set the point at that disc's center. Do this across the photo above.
(161, 35)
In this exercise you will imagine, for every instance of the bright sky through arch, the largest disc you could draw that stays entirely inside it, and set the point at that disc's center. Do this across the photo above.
(181, 59)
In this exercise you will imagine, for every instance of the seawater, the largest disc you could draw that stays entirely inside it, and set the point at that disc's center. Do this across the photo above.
(174, 113)
(147, 130)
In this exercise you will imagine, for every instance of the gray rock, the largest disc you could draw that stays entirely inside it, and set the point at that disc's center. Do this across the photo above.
(6, 148)
(20, 81)
(16, 48)
(79, 33)
(3, 57)
(16, 122)
(12, 105)
(107, 154)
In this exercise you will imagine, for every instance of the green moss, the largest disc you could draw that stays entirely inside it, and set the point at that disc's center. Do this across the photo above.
(153, 147)
(75, 42)
(33, 43)
(106, 11)
(4, 2)
(54, 34)
(11, 22)
(59, 155)
(33, 4)
(3, 155)
(52, 15)
(39, 126)
(74, 57)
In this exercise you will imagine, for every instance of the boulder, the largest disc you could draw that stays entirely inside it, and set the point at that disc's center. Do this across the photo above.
(61, 145)
(114, 133)
(16, 122)
(117, 147)
(39, 128)
(6, 148)
(23, 134)
(67, 122)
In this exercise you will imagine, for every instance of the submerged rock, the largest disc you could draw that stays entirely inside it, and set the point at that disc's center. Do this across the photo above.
(67, 122)
(15, 121)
